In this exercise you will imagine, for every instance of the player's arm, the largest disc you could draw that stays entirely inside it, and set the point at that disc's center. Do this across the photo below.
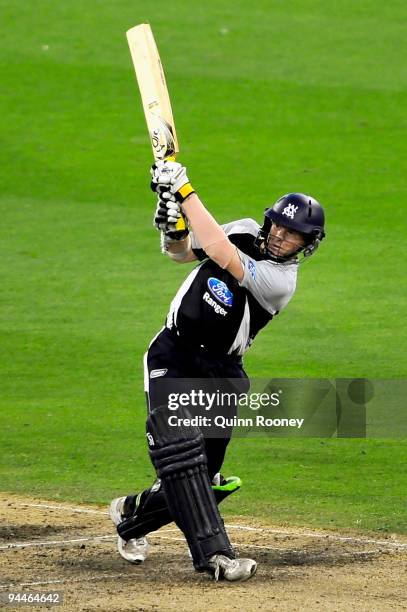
(208, 232)
(212, 236)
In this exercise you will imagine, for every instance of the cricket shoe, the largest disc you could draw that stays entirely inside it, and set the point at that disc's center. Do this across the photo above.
(233, 570)
(134, 551)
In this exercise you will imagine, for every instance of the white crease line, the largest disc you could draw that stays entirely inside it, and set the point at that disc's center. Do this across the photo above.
(78, 541)
(56, 542)
(306, 534)
(66, 508)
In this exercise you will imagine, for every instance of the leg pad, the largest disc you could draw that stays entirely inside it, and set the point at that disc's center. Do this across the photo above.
(179, 458)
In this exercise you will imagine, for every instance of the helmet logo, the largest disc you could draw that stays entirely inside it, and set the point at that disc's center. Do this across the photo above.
(290, 210)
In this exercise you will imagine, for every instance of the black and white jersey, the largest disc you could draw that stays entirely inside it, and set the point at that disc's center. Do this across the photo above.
(213, 310)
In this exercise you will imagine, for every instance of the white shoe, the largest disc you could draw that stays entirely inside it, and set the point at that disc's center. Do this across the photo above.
(232, 569)
(134, 551)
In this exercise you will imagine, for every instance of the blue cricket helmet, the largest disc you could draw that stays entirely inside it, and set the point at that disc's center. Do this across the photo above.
(299, 212)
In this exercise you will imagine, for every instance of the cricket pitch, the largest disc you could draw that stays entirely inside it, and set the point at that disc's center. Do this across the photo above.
(52, 546)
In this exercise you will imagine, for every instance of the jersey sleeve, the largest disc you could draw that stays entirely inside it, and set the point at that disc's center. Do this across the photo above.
(196, 247)
(233, 228)
(272, 285)
(242, 226)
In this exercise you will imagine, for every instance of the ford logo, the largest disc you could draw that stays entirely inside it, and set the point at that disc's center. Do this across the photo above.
(220, 290)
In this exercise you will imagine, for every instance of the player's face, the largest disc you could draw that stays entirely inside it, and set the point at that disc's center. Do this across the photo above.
(283, 241)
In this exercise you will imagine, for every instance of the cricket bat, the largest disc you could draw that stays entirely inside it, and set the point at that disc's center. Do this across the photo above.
(154, 95)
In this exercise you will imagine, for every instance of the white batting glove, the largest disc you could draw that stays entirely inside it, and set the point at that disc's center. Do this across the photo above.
(168, 176)
(166, 215)
(163, 171)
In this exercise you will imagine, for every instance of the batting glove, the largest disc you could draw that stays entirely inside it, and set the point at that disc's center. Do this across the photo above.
(168, 176)
(166, 216)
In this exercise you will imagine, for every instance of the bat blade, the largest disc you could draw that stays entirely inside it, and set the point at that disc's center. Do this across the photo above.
(153, 91)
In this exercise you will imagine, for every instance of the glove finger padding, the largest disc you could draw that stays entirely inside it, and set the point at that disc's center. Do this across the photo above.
(160, 215)
(166, 216)
(167, 196)
(173, 212)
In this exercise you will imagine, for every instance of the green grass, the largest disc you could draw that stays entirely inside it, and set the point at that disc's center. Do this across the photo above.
(268, 98)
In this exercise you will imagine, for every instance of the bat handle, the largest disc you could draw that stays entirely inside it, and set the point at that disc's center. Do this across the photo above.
(180, 225)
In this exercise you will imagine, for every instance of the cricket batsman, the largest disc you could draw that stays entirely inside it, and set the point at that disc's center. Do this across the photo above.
(245, 276)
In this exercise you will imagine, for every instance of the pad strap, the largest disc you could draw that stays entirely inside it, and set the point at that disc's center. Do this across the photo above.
(149, 511)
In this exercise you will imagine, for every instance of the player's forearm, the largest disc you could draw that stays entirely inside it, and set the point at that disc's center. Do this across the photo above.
(208, 232)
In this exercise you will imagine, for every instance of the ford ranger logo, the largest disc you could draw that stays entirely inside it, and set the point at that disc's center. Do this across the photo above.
(220, 291)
